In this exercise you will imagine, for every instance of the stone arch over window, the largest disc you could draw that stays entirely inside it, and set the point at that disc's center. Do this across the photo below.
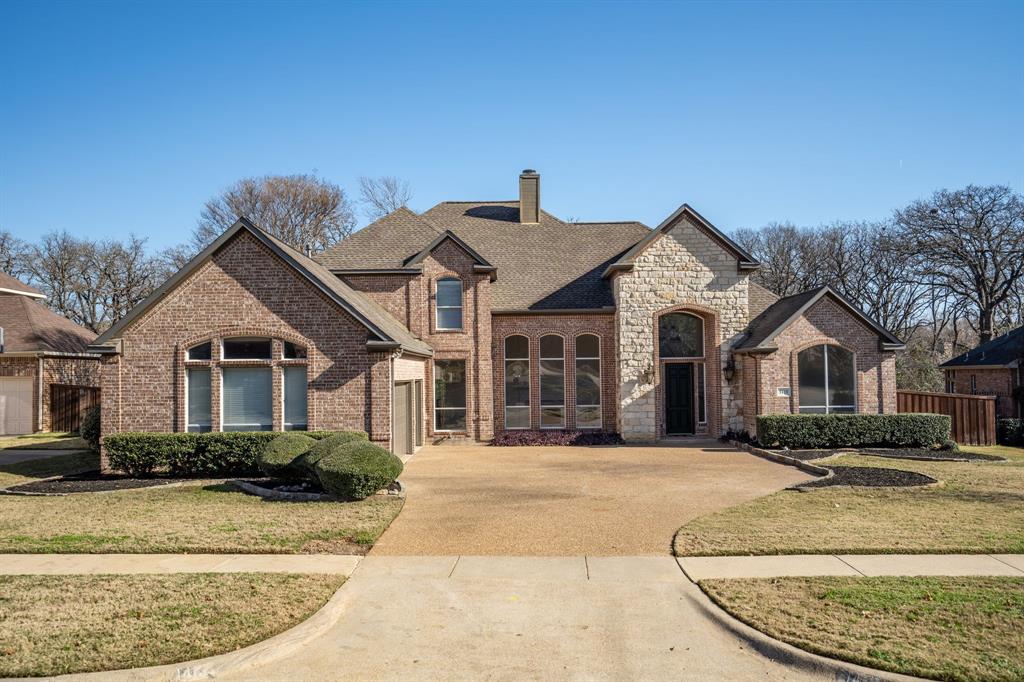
(826, 376)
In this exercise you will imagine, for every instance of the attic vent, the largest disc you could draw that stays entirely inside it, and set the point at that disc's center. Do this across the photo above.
(529, 197)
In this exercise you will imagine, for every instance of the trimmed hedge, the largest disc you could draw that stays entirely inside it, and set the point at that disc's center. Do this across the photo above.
(278, 457)
(191, 454)
(810, 431)
(1010, 432)
(328, 445)
(357, 469)
(519, 438)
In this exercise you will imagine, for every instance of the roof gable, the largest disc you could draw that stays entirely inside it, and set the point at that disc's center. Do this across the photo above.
(763, 329)
(744, 261)
(384, 244)
(385, 330)
(480, 263)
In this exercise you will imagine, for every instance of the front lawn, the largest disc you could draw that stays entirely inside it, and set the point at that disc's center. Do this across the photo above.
(980, 508)
(195, 518)
(942, 628)
(51, 625)
(44, 441)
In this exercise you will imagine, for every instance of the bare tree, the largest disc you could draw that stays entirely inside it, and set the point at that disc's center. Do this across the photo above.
(786, 255)
(383, 195)
(13, 255)
(969, 242)
(302, 210)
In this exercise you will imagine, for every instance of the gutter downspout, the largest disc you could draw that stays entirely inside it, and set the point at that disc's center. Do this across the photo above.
(39, 406)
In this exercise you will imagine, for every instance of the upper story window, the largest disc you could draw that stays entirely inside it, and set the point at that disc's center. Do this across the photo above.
(449, 303)
(202, 351)
(680, 335)
(247, 348)
(827, 379)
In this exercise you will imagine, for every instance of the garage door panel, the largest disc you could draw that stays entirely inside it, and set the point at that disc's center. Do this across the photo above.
(15, 405)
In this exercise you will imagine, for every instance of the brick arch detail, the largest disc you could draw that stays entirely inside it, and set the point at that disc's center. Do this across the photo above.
(712, 363)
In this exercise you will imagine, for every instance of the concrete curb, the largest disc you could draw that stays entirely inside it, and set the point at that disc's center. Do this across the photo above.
(787, 654)
(260, 653)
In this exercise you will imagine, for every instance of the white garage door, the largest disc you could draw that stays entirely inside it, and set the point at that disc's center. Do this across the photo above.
(15, 405)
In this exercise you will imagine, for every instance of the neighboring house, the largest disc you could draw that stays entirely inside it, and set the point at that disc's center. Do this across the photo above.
(46, 375)
(993, 368)
(477, 317)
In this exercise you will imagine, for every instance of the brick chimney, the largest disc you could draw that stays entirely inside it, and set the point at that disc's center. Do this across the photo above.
(529, 197)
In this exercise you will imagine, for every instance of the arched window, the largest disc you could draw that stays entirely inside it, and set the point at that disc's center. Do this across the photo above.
(552, 382)
(517, 382)
(588, 381)
(448, 304)
(680, 335)
(827, 379)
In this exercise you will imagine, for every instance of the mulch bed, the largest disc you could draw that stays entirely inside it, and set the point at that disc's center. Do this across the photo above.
(93, 482)
(282, 485)
(926, 454)
(871, 477)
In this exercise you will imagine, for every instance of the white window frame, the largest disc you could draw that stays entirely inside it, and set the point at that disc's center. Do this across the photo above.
(540, 382)
(600, 384)
(438, 307)
(829, 409)
(267, 367)
(465, 408)
(529, 388)
(188, 370)
(284, 398)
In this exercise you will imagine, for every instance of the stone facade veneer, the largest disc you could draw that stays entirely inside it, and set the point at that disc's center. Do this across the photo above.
(683, 267)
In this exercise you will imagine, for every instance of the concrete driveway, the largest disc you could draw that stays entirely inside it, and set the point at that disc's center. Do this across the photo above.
(555, 501)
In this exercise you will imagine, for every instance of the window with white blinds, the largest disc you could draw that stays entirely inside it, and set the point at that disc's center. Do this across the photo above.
(198, 397)
(295, 399)
(247, 399)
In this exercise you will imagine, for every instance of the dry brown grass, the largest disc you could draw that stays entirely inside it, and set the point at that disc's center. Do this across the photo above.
(943, 628)
(192, 519)
(44, 441)
(980, 508)
(59, 465)
(51, 625)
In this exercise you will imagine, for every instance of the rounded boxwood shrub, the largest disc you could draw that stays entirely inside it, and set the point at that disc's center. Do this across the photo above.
(357, 469)
(278, 457)
(327, 445)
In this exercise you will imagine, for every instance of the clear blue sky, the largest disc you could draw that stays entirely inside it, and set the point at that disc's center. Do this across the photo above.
(126, 117)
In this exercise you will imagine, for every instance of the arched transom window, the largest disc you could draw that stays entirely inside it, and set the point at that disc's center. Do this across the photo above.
(680, 335)
(827, 379)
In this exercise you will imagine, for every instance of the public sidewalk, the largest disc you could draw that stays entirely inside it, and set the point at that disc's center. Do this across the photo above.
(579, 568)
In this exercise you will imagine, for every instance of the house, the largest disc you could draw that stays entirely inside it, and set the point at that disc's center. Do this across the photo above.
(476, 317)
(993, 368)
(47, 377)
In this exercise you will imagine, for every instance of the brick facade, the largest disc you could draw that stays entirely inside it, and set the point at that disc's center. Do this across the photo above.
(568, 327)
(245, 290)
(825, 322)
(999, 382)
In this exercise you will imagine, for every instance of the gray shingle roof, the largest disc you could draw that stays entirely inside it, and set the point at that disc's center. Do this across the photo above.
(1003, 350)
(383, 328)
(10, 284)
(544, 266)
(763, 329)
(29, 326)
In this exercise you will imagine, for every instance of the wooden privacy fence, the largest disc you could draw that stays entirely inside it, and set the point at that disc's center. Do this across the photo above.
(974, 416)
(68, 404)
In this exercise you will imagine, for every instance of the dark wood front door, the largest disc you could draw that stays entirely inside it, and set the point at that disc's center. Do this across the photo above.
(678, 399)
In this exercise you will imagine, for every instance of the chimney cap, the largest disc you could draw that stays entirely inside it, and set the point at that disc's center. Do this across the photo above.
(529, 171)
